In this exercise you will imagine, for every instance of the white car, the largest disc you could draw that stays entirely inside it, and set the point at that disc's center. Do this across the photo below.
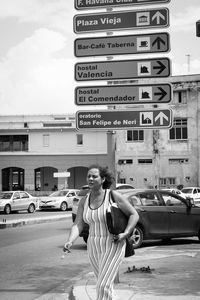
(17, 201)
(61, 200)
(175, 191)
(193, 193)
(122, 186)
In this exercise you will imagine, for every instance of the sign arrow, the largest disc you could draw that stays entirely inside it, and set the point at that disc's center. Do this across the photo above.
(158, 16)
(158, 41)
(161, 67)
(162, 93)
(161, 116)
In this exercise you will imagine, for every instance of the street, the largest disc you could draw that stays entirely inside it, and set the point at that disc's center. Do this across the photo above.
(32, 265)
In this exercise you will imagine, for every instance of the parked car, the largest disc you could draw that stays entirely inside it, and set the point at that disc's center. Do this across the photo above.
(175, 191)
(17, 201)
(122, 186)
(163, 215)
(61, 200)
(193, 193)
(82, 193)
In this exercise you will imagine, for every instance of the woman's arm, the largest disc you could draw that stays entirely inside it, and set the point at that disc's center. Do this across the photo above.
(77, 227)
(129, 211)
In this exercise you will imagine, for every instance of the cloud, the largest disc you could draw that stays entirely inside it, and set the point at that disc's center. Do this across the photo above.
(56, 14)
(185, 20)
(34, 79)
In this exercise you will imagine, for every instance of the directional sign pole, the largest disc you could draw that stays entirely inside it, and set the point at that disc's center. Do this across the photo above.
(111, 140)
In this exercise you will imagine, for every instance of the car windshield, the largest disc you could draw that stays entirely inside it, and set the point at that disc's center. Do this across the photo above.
(59, 193)
(6, 195)
(186, 191)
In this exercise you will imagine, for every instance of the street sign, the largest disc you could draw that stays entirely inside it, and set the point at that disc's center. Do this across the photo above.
(122, 69)
(123, 94)
(123, 119)
(127, 44)
(85, 4)
(61, 174)
(139, 19)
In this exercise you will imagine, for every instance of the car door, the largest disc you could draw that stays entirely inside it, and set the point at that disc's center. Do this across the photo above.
(196, 195)
(16, 201)
(153, 214)
(70, 196)
(180, 218)
(25, 200)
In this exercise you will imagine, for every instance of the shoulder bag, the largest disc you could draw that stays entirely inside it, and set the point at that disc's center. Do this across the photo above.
(117, 222)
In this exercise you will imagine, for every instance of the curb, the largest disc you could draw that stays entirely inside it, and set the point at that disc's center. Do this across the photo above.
(16, 223)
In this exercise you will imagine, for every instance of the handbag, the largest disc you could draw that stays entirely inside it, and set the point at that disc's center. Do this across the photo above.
(117, 222)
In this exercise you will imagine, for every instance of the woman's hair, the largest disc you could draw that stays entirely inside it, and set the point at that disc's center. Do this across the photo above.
(104, 173)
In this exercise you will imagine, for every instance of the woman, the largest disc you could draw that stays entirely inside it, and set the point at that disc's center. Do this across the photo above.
(105, 251)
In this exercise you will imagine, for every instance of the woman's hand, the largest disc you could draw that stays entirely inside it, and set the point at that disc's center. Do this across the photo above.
(119, 238)
(67, 247)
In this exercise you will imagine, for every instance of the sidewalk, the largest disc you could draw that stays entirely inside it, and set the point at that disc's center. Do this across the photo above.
(85, 290)
(31, 220)
(152, 274)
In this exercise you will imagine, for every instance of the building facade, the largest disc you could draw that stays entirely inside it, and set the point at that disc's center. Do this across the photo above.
(33, 148)
(167, 157)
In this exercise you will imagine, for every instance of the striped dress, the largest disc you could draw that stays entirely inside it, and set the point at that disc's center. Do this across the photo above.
(105, 255)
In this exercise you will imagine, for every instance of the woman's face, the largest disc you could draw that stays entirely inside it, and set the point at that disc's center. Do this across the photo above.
(94, 179)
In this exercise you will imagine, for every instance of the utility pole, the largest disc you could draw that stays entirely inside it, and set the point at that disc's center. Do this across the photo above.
(188, 62)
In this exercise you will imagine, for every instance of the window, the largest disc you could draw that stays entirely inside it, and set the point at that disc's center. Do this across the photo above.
(180, 97)
(175, 161)
(45, 140)
(179, 130)
(79, 139)
(13, 143)
(167, 181)
(122, 180)
(149, 199)
(125, 161)
(145, 161)
(135, 135)
(172, 200)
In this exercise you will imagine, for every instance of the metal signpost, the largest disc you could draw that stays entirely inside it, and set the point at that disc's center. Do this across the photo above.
(139, 19)
(85, 4)
(126, 44)
(124, 119)
(123, 94)
(122, 69)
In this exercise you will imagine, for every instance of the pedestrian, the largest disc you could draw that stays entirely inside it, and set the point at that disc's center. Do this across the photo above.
(105, 251)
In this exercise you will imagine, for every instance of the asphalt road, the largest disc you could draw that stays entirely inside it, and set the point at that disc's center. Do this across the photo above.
(32, 266)
(31, 263)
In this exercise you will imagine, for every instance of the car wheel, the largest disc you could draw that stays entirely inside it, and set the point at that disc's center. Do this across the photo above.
(31, 208)
(7, 209)
(63, 206)
(137, 237)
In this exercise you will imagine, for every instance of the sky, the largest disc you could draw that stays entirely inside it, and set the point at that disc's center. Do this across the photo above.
(37, 56)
